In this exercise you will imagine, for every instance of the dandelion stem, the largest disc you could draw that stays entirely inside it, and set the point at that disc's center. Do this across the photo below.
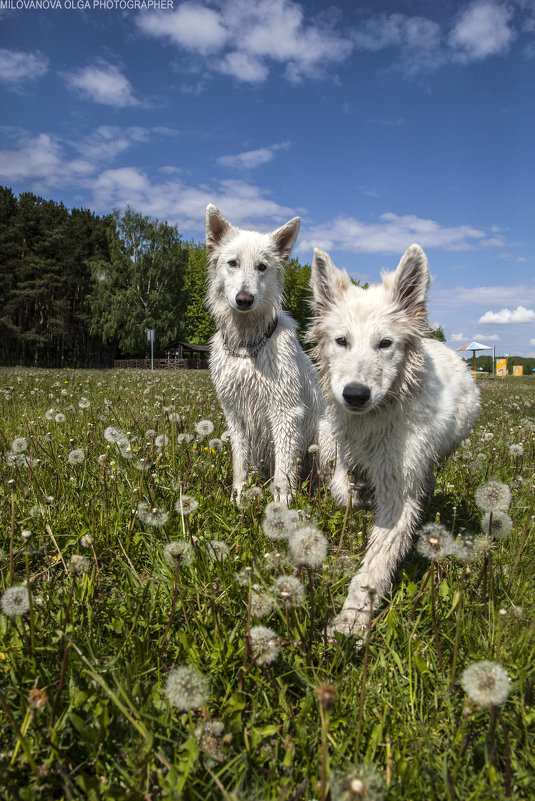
(11, 539)
(344, 523)
(434, 616)
(324, 752)
(173, 605)
(364, 674)
(457, 631)
(507, 755)
(19, 735)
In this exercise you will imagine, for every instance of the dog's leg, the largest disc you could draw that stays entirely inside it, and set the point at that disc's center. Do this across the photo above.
(345, 483)
(287, 428)
(390, 539)
(241, 451)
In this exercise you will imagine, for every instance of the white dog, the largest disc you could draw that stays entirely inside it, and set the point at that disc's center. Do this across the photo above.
(266, 384)
(398, 404)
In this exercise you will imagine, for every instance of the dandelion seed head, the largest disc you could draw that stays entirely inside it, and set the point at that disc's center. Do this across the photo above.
(499, 527)
(178, 553)
(313, 449)
(308, 546)
(204, 428)
(217, 550)
(79, 564)
(161, 441)
(60, 417)
(362, 783)
(261, 602)
(486, 683)
(83, 403)
(187, 688)
(281, 523)
(187, 505)
(493, 496)
(151, 516)
(77, 456)
(16, 601)
(483, 544)
(265, 644)
(19, 445)
(215, 445)
(210, 735)
(86, 541)
(288, 590)
(112, 434)
(434, 541)
(516, 450)
(183, 439)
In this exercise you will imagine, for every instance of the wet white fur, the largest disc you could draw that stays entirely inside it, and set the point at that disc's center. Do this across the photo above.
(272, 401)
(423, 401)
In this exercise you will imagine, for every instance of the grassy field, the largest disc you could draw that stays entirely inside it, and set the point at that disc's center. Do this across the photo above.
(135, 669)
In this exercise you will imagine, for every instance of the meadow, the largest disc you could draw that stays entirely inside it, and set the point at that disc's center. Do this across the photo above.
(163, 642)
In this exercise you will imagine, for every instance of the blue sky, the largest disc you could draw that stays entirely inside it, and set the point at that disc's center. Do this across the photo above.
(379, 123)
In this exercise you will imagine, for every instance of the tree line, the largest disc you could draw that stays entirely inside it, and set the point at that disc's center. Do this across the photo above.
(78, 289)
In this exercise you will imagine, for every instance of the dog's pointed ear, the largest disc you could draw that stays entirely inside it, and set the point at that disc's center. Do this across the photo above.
(326, 280)
(285, 237)
(216, 226)
(410, 283)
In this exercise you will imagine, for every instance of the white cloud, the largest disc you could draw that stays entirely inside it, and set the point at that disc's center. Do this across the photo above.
(532, 341)
(250, 38)
(192, 26)
(481, 296)
(507, 316)
(392, 234)
(458, 337)
(41, 160)
(103, 83)
(106, 142)
(482, 30)
(17, 67)
(252, 158)
(185, 205)
(418, 39)
(487, 337)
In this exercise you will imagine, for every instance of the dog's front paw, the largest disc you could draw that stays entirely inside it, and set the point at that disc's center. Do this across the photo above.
(281, 492)
(349, 623)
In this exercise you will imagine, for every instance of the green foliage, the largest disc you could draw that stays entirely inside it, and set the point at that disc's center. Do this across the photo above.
(141, 287)
(297, 294)
(199, 325)
(436, 333)
(84, 674)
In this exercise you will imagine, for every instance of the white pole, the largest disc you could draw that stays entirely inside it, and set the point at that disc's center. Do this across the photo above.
(494, 360)
(152, 351)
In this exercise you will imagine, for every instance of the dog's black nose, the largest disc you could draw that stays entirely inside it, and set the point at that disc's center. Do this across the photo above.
(356, 395)
(244, 300)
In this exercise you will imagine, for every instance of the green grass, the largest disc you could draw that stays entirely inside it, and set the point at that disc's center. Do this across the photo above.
(99, 644)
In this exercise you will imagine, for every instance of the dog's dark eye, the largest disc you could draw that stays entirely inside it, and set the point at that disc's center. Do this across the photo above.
(261, 267)
(232, 263)
(342, 341)
(385, 343)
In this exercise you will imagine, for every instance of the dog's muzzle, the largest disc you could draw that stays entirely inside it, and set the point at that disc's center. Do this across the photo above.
(356, 395)
(244, 300)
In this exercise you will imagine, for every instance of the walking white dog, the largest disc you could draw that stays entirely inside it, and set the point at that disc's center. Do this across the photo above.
(267, 385)
(398, 404)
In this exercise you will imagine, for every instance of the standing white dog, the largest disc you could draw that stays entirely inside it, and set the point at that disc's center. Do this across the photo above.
(266, 384)
(398, 404)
